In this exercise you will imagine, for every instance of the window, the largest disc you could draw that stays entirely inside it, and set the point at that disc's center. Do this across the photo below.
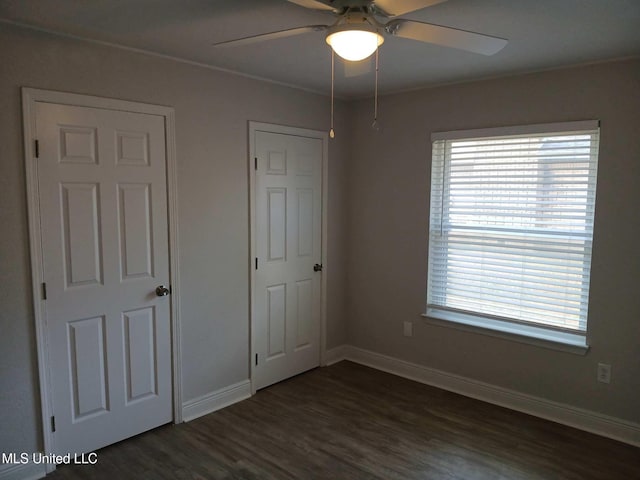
(511, 228)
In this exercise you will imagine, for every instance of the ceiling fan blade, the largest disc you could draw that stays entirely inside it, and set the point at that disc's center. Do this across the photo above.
(446, 36)
(313, 4)
(393, 8)
(271, 36)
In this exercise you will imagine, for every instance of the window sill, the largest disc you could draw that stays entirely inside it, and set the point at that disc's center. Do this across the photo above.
(532, 335)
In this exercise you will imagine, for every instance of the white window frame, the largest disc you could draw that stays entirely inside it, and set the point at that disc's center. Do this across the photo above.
(536, 334)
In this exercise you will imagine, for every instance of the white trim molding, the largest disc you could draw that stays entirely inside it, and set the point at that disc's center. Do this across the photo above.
(336, 354)
(527, 334)
(517, 130)
(22, 471)
(582, 419)
(210, 402)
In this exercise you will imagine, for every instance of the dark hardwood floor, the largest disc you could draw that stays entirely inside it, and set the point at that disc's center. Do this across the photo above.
(352, 422)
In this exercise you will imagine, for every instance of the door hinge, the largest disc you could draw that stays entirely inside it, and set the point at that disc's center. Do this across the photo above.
(44, 291)
(37, 148)
(255, 163)
(256, 359)
(256, 263)
(53, 423)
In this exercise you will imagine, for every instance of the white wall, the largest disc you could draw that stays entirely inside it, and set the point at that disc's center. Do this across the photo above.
(389, 178)
(212, 114)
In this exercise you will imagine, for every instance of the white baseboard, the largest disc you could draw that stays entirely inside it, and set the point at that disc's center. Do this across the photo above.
(593, 422)
(336, 355)
(213, 401)
(26, 471)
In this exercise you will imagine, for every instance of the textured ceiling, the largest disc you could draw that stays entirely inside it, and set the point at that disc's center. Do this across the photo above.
(542, 34)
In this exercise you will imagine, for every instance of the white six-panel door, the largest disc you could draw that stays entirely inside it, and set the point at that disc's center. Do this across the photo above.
(103, 211)
(288, 243)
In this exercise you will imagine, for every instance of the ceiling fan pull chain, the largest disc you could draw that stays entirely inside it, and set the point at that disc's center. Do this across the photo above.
(331, 132)
(375, 125)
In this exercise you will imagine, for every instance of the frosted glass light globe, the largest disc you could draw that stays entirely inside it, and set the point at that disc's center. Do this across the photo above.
(354, 45)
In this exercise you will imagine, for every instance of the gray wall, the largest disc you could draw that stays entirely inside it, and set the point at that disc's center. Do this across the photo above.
(389, 177)
(212, 114)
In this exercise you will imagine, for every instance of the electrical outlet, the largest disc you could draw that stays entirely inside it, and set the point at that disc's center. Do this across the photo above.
(408, 329)
(604, 373)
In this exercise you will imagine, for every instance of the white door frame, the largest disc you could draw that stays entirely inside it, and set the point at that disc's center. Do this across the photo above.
(301, 132)
(31, 96)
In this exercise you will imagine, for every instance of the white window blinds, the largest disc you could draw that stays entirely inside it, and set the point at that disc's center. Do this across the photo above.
(511, 223)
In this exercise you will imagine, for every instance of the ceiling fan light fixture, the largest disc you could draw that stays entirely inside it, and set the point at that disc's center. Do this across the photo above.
(354, 43)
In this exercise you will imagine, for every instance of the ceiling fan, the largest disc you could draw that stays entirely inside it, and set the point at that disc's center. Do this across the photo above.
(361, 26)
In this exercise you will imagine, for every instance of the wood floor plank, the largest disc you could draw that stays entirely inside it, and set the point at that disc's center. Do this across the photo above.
(348, 421)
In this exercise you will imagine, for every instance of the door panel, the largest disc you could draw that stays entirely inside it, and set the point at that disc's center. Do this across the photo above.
(134, 211)
(82, 249)
(78, 144)
(305, 222)
(287, 293)
(102, 191)
(276, 299)
(304, 312)
(277, 224)
(132, 148)
(88, 367)
(140, 353)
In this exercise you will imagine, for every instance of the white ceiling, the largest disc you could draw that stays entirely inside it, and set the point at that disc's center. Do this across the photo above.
(542, 34)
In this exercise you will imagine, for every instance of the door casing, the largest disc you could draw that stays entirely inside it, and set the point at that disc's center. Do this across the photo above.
(31, 96)
(302, 132)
